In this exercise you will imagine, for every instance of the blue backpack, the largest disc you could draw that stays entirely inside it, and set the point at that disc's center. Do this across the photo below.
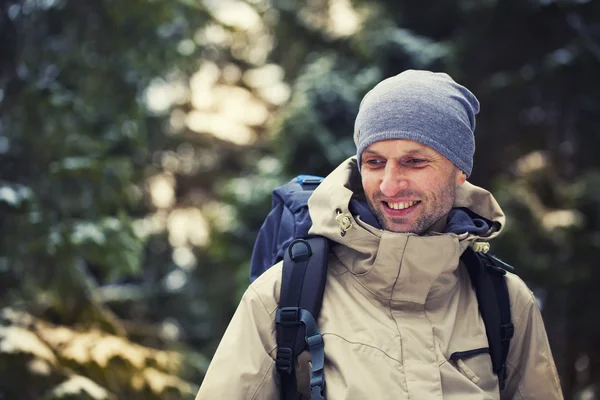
(284, 236)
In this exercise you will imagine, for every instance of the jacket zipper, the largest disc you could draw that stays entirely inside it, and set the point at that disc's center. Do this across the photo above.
(468, 354)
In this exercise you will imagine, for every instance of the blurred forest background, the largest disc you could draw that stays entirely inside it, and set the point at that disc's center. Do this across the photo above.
(140, 140)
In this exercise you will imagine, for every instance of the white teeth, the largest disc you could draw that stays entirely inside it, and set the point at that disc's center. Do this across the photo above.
(401, 206)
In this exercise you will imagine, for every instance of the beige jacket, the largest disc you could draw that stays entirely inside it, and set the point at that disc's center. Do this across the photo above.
(396, 306)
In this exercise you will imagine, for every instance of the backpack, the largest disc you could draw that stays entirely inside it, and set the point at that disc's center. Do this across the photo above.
(284, 236)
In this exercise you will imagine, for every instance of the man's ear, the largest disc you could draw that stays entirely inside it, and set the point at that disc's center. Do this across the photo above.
(461, 177)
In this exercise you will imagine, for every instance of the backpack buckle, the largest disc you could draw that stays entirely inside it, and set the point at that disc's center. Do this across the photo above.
(284, 360)
(288, 316)
(507, 331)
(309, 180)
(316, 392)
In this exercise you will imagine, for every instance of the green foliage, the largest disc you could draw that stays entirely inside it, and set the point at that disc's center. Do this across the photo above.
(75, 136)
(319, 119)
(76, 131)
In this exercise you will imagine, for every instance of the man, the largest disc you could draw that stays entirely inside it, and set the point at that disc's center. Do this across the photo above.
(399, 318)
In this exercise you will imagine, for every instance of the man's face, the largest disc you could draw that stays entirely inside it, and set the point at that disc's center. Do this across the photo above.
(409, 186)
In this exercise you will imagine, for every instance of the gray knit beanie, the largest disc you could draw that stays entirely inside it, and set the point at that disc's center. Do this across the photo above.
(427, 107)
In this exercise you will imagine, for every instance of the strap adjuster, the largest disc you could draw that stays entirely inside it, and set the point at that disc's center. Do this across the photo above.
(288, 316)
(314, 340)
(284, 360)
(507, 331)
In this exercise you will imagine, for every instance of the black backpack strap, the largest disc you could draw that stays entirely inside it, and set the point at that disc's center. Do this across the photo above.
(497, 271)
(303, 283)
(489, 282)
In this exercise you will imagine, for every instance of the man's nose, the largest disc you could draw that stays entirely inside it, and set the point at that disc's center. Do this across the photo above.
(394, 180)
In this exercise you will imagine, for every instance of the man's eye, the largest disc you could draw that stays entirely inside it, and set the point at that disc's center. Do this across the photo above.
(375, 163)
(414, 161)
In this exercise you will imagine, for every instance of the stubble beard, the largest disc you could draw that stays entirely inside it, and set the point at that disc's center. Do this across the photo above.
(441, 202)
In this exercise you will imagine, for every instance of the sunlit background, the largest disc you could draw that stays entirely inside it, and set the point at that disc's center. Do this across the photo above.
(140, 141)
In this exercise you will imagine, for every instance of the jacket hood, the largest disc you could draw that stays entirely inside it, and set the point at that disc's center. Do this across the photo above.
(397, 266)
(334, 195)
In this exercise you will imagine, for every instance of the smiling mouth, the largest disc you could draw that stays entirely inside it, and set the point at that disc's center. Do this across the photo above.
(401, 206)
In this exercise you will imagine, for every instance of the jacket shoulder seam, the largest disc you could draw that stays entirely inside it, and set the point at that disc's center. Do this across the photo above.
(517, 286)
(261, 301)
(526, 307)
(269, 314)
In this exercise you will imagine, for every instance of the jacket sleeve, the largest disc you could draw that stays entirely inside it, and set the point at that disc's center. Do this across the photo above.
(243, 366)
(531, 370)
